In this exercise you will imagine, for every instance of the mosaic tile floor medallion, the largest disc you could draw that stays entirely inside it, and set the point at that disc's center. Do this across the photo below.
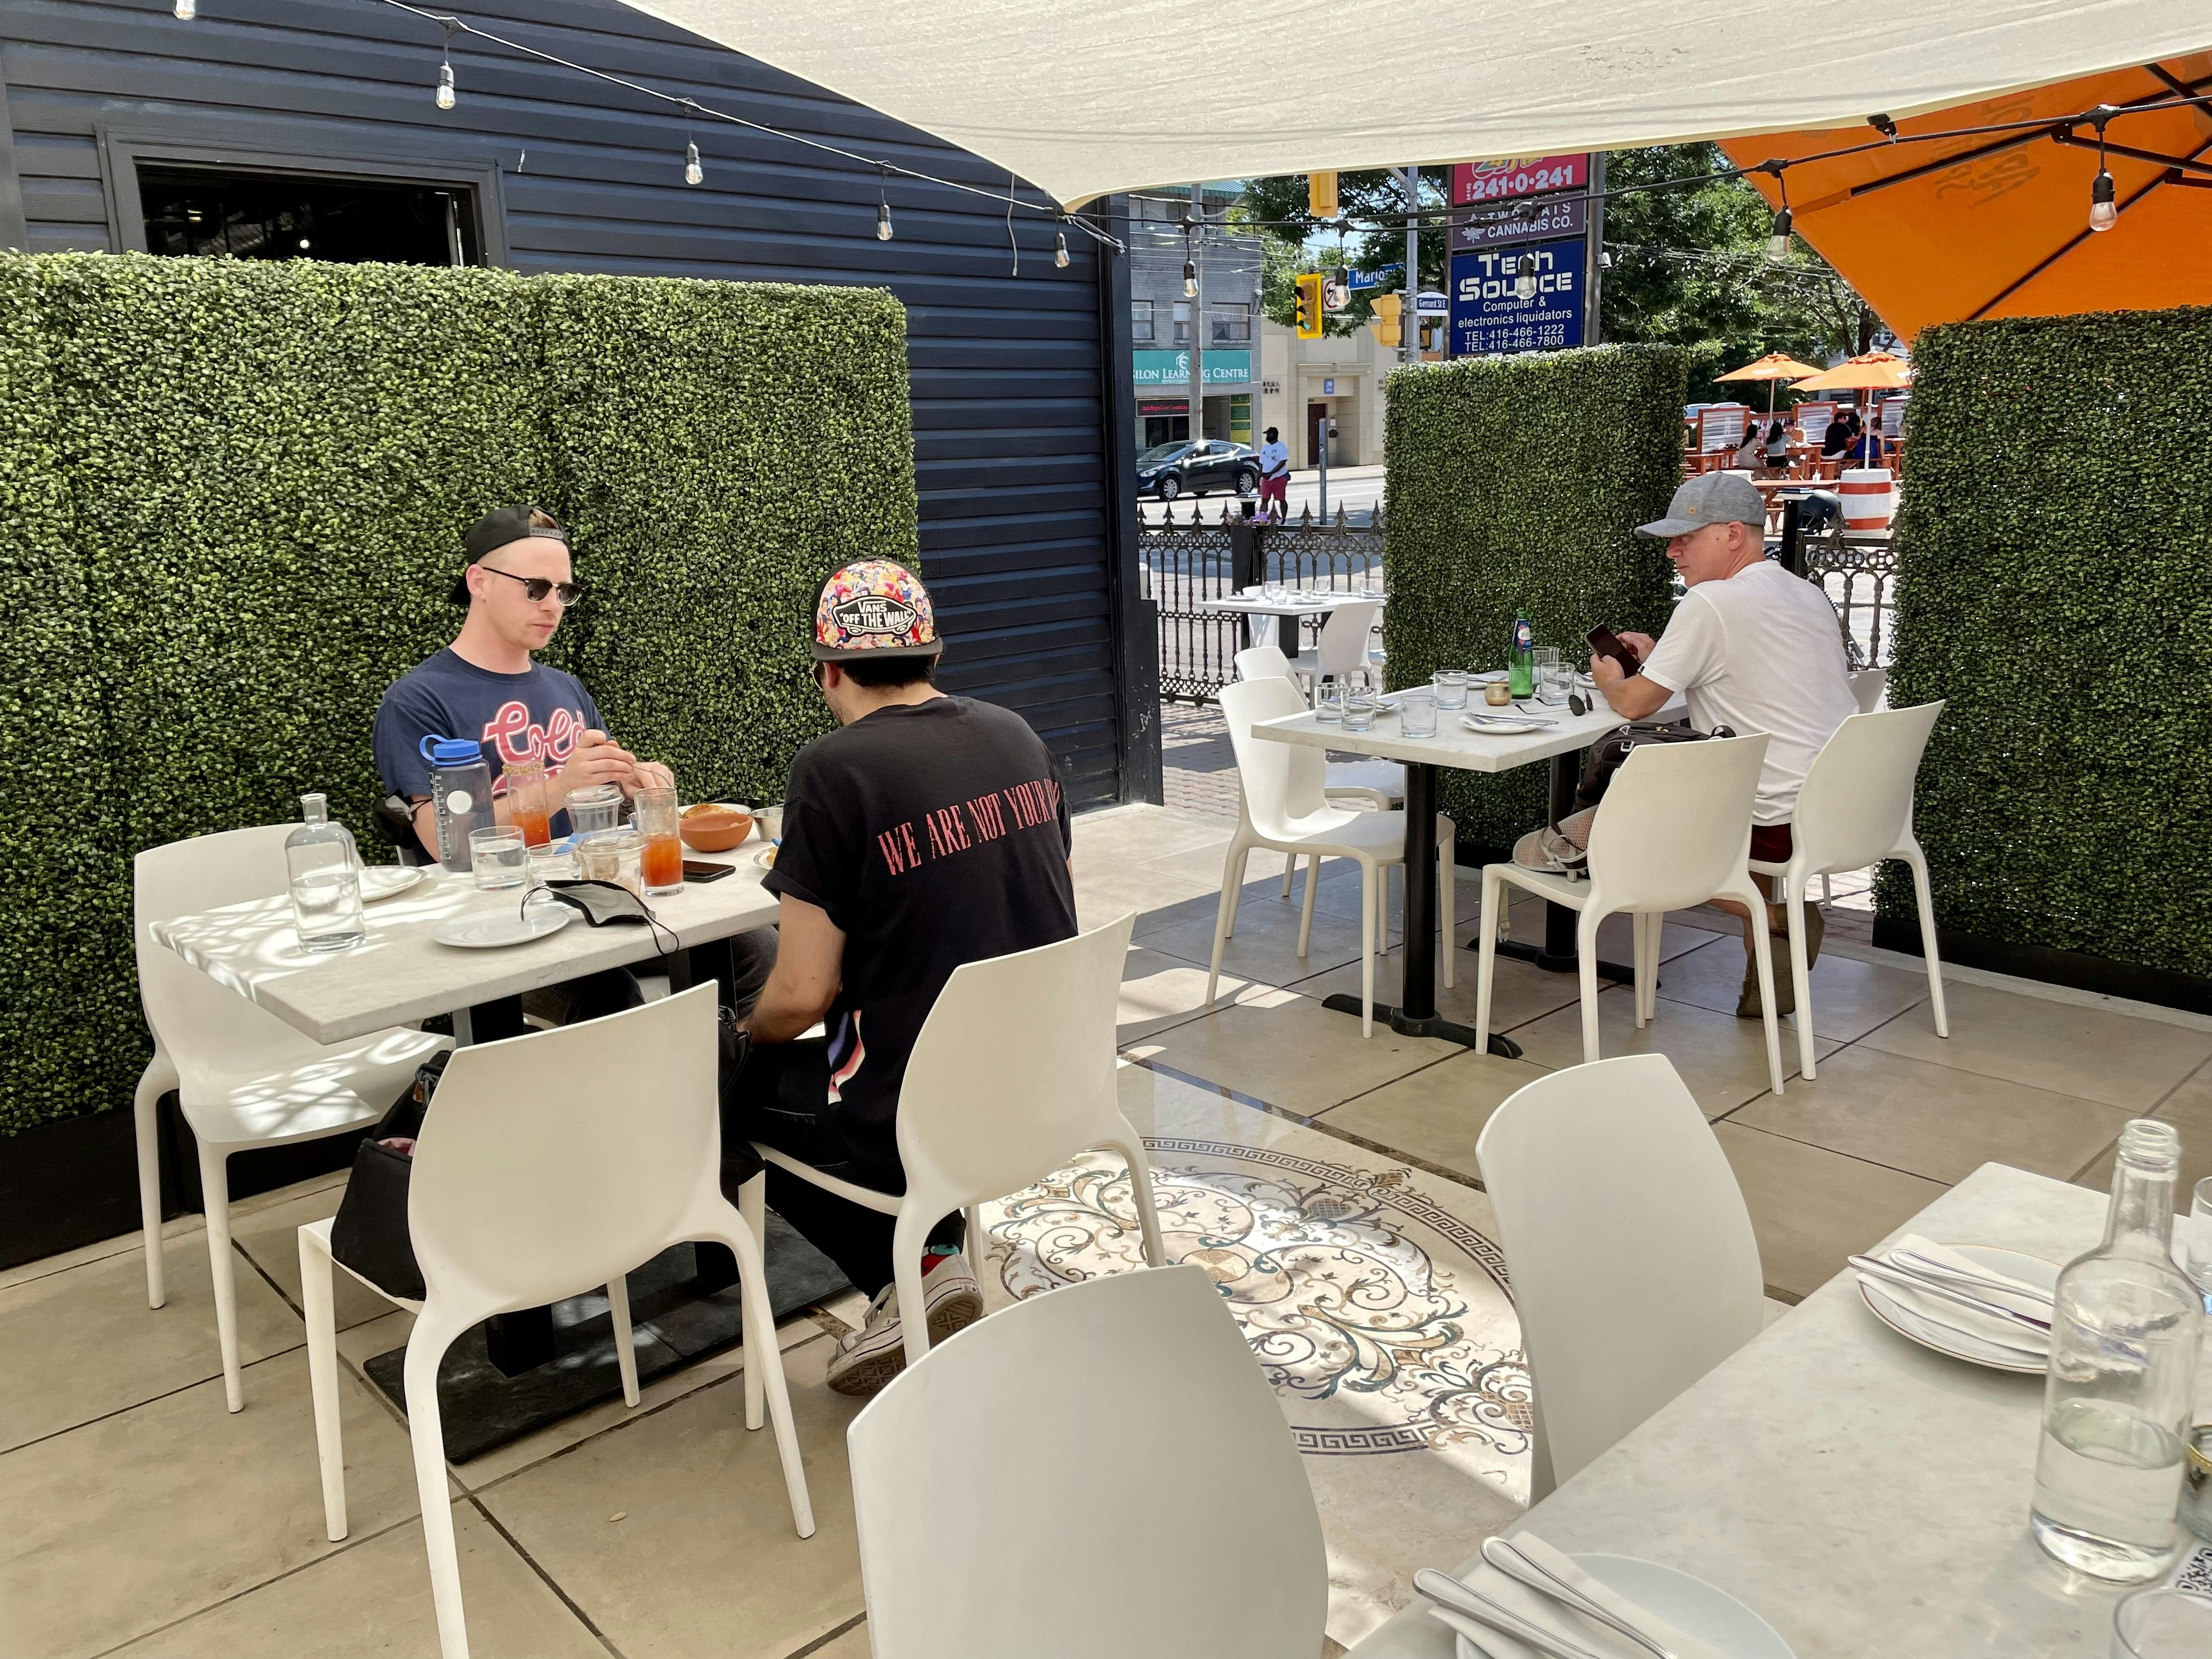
(1373, 1298)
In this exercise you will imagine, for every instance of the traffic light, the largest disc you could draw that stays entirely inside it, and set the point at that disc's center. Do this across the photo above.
(1387, 308)
(1320, 195)
(1309, 312)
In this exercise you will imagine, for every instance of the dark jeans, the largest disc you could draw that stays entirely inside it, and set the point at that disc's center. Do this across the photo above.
(778, 1096)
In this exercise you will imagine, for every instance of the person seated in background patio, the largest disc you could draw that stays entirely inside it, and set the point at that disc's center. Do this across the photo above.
(1837, 438)
(1752, 450)
(928, 831)
(1777, 448)
(1750, 647)
(518, 585)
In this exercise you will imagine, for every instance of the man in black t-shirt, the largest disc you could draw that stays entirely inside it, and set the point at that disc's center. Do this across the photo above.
(928, 831)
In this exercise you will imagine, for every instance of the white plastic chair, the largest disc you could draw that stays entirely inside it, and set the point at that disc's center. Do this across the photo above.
(1281, 806)
(1635, 1270)
(548, 1164)
(243, 1077)
(1342, 649)
(1380, 783)
(1109, 1385)
(1856, 809)
(1673, 831)
(971, 1132)
(1261, 631)
(1867, 687)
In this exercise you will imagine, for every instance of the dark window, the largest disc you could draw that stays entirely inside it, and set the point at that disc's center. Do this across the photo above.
(1140, 321)
(1232, 322)
(265, 215)
(1181, 324)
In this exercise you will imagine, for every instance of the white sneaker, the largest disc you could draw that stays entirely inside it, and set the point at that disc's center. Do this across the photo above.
(869, 1356)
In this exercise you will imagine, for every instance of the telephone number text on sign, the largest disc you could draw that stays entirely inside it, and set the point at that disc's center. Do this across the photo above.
(1490, 314)
(1518, 175)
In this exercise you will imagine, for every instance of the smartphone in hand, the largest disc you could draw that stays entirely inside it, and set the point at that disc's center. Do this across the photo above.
(1604, 642)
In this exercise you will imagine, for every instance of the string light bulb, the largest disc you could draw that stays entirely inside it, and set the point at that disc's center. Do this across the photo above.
(446, 98)
(1524, 278)
(1777, 245)
(2104, 210)
(1190, 279)
(1884, 126)
(883, 206)
(1059, 249)
(693, 172)
(186, 11)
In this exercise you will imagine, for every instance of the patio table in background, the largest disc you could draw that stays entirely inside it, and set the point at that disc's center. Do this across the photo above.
(1455, 746)
(1297, 603)
(1862, 1494)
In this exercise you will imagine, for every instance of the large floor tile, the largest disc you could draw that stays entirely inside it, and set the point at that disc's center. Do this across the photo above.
(1933, 1120)
(2189, 1109)
(1134, 835)
(853, 1644)
(272, 1238)
(1850, 997)
(1290, 1051)
(1811, 1208)
(79, 1344)
(1159, 990)
(1520, 991)
(1265, 946)
(1437, 1113)
(1721, 1058)
(1162, 1106)
(126, 1524)
(2091, 1053)
(374, 1598)
(698, 1566)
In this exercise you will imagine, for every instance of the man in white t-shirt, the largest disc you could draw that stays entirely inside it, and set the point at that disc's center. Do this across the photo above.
(1275, 475)
(1750, 647)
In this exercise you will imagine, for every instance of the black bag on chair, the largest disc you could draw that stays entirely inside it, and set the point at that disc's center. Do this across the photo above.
(369, 1235)
(1611, 752)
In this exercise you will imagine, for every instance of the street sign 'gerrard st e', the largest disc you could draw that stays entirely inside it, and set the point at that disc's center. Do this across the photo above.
(1489, 316)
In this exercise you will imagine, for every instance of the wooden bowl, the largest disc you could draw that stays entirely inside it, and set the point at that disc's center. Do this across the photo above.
(709, 827)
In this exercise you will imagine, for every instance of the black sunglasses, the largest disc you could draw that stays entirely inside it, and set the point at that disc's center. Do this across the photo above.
(535, 588)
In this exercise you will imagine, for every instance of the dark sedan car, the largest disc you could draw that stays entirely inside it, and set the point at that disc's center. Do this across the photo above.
(1168, 470)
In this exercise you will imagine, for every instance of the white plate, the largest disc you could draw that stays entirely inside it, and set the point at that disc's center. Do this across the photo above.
(765, 858)
(1691, 1605)
(503, 927)
(384, 881)
(2029, 1269)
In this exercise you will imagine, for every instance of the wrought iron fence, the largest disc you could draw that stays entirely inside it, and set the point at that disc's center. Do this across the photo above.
(1857, 571)
(1186, 564)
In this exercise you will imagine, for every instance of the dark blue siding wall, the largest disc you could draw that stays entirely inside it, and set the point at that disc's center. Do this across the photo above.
(1020, 514)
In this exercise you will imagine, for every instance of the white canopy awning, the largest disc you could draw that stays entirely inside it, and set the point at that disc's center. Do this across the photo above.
(1086, 97)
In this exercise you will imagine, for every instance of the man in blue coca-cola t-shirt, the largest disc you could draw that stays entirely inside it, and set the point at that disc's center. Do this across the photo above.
(486, 684)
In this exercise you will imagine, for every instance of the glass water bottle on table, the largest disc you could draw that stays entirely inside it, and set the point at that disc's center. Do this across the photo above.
(324, 868)
(2124, 1327)
(1520, 658)
(460, 795)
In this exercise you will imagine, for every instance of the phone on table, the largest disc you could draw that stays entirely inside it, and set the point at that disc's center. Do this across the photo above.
(694, 870)
(1604, 642)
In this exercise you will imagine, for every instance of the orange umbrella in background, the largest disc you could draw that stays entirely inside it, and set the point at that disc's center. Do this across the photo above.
(1872, 371)
(1998, 224)
(1773, 368)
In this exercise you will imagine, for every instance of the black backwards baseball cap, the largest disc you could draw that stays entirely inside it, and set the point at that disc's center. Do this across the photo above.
(502, 527)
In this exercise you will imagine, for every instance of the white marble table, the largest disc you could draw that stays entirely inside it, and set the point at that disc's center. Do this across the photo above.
(400, 973)
(1456, 747)
(1867, 1497)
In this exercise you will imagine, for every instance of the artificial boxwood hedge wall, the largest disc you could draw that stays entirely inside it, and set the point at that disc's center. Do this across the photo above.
(1514, 484)
(2054, 543)
(233, 494)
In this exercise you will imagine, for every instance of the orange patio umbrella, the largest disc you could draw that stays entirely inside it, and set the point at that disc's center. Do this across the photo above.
(1872, 371)
(1997, 224)
(1774, 366)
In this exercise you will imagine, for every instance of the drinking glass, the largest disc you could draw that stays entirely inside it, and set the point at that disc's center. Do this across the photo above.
(525, 785)
(1498, 694)
(1328, 702)
(770, 819)
(1416, 714)
(1543, 661)
(615, 855)
(2162, 1624)
(597, 808)
(1371, 585)
(654, 810)
(499, 858)
(1451, 687)
(1359, 712)
(2193, 1250)
(1555, 680)
(1271, 592)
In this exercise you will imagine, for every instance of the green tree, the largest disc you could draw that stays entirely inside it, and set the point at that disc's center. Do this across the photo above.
(1275, 207)
(1690, 268)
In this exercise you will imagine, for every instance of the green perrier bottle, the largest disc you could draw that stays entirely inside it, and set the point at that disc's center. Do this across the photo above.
(1521, 659)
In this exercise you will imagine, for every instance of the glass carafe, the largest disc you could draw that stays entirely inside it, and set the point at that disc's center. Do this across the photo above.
(2115, 1404)
(324, 868)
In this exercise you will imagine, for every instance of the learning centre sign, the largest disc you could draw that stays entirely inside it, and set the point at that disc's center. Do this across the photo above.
(1173, 367)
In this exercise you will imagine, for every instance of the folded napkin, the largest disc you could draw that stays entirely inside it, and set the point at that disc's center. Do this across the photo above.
(1996, 1288)
(1570, 1625)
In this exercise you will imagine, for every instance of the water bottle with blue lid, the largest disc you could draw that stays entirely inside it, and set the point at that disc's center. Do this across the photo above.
(460, 795)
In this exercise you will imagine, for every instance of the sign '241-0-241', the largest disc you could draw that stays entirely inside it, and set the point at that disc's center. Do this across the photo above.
(1518, 277)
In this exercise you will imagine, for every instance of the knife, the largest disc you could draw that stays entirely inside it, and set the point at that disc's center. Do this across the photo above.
(1448, 1592)
(1503, 1554)
(1914, 1282)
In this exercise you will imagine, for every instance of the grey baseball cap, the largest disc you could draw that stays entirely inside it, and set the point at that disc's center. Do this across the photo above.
(1709, 498)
